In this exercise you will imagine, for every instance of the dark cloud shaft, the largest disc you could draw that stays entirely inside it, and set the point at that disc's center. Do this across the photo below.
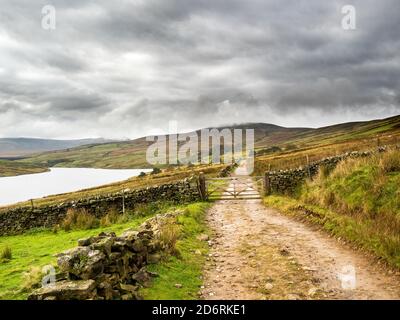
(121, 69)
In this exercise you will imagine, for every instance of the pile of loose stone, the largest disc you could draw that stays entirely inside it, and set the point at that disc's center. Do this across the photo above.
(107, 267)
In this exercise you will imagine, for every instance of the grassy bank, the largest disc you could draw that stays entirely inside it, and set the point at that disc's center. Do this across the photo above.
(36, 249)
(180, 275)
(358, 201)
(12, 168)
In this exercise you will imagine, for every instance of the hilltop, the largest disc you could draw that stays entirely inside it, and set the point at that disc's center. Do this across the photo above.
(268, 138)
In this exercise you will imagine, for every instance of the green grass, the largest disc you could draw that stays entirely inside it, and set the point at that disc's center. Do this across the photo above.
(37, 249)
(186, 268)
(358, 201)
(365, 187)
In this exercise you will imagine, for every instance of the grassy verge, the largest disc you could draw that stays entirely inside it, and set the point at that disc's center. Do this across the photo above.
(358, 201)
(184, 269)
(36, 249)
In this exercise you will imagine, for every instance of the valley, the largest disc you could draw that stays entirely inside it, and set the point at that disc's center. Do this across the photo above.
(284, 246)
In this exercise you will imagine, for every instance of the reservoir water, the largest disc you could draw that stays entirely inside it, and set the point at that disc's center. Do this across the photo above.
(59, 180)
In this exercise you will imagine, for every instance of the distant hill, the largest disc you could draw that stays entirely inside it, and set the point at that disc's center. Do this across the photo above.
(18, 147)
(132, 153)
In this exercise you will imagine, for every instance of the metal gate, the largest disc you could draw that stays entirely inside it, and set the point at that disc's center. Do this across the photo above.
(234, 188)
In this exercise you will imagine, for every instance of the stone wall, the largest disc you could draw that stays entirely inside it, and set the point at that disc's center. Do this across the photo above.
(107, 267)
(286, 181)
(20, 219)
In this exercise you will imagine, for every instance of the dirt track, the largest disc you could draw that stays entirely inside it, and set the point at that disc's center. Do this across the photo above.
(258, 253)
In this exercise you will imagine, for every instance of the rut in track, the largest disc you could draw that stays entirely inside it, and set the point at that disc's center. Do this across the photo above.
(258, 253)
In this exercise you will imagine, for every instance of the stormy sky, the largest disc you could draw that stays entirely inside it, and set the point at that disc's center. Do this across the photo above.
(123, 69)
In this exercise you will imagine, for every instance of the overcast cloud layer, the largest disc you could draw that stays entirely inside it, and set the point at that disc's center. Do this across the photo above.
(119, 69)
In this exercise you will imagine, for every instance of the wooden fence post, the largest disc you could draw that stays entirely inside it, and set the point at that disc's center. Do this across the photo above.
(123, 201)
(202, 186)
(308, 167)
(32, 204)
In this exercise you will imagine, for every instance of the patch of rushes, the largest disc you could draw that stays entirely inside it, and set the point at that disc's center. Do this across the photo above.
(180, 274)
(36, 249)
(81, 219)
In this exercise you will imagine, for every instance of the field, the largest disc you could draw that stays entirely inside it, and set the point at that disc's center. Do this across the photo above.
(118, 155)
(12, 168)
(35, 249)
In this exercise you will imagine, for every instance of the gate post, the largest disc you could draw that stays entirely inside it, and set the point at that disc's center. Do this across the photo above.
(202, 186)
(267, 185)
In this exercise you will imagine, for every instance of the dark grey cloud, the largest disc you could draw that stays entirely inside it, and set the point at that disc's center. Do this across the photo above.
(123, 69)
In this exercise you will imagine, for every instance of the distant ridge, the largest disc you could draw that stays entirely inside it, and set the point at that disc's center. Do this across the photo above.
(132, 153)
(19, 147)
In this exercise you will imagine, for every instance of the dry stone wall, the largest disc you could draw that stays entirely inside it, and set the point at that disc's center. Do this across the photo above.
(20, 219)
(286, 181)
(107, 267)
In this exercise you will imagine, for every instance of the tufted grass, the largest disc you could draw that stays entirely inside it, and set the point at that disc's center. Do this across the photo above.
(358, 201)
(367, 188)
(36, 248)
(186, 267)
(6, 254)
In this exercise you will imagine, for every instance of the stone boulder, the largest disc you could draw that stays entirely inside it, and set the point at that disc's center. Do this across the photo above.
(82, 262)
(66, 290)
